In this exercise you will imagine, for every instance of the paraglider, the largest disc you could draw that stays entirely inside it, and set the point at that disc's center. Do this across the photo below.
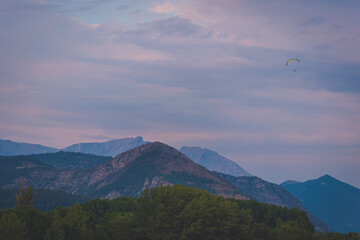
(293, 59)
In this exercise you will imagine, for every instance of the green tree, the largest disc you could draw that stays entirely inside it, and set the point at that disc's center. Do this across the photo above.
(76, 224)
(179, 212)
(291, 230)
(25, 211)
(70, 223)
(12, 227)
(56, 230)
(262, 231)
(125, 226)
(24, 198)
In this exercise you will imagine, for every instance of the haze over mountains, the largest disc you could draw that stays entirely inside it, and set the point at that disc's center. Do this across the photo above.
(333, 201)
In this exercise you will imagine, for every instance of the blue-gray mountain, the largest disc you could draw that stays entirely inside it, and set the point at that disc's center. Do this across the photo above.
(213, 161)
(109, 148)
(10, 148)
(271, 193)
(128, 174)
(333, 201)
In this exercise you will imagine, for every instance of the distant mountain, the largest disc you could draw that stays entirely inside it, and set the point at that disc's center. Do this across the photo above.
(10, 148)
(271, 193)
(289, 182)
(109, 148)
(44, 199)
(128, 174)
(213, 161)
(333, 201)
(70, 160)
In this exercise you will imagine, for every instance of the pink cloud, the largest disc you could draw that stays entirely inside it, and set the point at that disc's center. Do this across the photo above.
(166, 7)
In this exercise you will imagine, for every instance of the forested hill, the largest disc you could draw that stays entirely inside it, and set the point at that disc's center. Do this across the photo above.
(44, 199)
(272, 193)
(168, 212)
(70, 160)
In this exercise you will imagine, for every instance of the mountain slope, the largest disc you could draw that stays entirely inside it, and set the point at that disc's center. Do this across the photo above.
(333, 201)
(10, 148)
(70, 160)
(151, 165)
(128, 174)
(271, 193)
(109, 148)
(44, 199)
(12, 168)
(213, 161)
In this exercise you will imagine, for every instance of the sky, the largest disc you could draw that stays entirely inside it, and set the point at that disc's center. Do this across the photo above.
(208, 73)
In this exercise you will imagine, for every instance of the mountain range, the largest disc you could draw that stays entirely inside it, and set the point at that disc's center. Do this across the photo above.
(149, 165)
(333, 201)
(204, 157)
(109, 148)
(128, 174)
(213, 161)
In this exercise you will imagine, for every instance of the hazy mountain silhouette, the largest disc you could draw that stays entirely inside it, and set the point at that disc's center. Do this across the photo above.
(213, 161)
(10, 148)
(335, 202)
(109, 148)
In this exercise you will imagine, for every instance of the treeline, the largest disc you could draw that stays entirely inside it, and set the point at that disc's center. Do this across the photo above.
(170, 212)
(44, 199)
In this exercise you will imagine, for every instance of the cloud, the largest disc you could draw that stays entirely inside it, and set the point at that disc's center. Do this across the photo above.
(166, 7)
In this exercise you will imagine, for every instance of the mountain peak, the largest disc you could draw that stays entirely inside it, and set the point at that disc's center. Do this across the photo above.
(155, 164)
(327, 177)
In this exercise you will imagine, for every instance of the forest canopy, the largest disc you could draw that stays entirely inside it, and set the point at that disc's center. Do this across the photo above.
(168, 212)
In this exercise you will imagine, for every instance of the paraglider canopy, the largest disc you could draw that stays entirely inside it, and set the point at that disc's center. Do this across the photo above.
(293, 59)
